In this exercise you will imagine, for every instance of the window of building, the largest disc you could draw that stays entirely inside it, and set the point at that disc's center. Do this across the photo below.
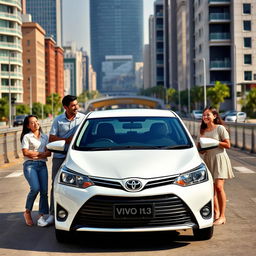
(247, 75)
(28, 61)
(247, 25)
(248, 42)
(254, 76)
(200, 48)
(246, 8)
(247, 59)
(28, 42)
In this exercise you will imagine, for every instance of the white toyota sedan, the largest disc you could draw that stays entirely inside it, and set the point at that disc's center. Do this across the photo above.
(132, 170)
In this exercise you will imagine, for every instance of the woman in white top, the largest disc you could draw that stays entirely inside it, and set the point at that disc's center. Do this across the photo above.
(217, 159)
(34, 167)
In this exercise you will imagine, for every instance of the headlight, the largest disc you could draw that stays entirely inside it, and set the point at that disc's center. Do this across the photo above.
(193, 177)
(70, 178)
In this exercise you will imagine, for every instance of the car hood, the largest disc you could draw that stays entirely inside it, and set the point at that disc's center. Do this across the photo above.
(121, 164)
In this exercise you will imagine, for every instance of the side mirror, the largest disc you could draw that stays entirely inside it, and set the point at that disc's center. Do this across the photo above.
(208, 143)
(57, 146)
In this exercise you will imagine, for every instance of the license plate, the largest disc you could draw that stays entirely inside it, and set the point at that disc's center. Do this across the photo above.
(131, 211)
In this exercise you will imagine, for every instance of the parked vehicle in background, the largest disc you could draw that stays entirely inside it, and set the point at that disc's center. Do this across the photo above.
(197, 114)
(18, 120)
(117, 176)
(224, 114)
(236, 116)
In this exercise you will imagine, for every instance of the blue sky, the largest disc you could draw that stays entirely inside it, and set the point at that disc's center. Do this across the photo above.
(76, 21)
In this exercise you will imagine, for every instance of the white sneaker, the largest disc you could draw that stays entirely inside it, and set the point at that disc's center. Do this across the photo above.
(41, 222)
(50, 219)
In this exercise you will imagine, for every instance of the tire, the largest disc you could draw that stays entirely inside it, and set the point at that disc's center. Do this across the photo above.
(63, 236)
(203, 234)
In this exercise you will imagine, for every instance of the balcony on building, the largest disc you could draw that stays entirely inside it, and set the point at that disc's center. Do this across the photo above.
(222, 76)
(220, 64)
(219, 17)
(220, 58)
(218, 2)
(219, 36)
(219, 13)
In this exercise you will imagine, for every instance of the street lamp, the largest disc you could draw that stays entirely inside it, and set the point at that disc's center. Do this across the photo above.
(234, 81)
(30, 94)
(10, 94)
(204, 69)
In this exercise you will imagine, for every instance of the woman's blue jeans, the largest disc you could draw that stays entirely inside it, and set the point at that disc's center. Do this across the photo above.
(36, 174)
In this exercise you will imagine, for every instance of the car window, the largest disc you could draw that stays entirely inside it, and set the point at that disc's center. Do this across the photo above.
(20, 117)
(132, 133)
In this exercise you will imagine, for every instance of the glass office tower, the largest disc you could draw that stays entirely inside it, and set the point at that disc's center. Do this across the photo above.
(48, 13)
(116, 28)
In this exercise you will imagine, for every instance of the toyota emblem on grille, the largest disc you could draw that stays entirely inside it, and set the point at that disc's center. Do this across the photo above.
(133, 185)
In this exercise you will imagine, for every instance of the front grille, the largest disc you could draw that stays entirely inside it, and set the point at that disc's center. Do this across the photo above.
(116, 184)
(97, 212)
(160, 182)
(106, 183)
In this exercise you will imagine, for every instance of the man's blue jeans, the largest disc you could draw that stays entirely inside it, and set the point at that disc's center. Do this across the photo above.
(36, 174)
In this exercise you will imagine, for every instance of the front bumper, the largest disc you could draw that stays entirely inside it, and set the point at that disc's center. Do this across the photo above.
(91, 209)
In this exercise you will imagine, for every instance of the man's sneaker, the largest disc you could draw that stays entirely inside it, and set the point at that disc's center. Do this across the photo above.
(50, 219)
(41, 222)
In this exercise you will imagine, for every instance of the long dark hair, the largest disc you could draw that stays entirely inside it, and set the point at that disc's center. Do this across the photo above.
(25, 128)
(217, 119)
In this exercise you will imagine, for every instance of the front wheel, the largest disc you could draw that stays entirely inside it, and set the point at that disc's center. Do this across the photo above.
(63, 236)
(203, 234)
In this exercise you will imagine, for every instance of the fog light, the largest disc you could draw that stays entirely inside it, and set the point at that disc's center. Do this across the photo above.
(206, 211)
(62, 214)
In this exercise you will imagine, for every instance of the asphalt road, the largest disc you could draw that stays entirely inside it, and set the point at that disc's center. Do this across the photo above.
(237, 237)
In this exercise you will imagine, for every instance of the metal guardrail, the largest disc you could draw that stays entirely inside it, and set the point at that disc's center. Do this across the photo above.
(10, 146)
(242, 135)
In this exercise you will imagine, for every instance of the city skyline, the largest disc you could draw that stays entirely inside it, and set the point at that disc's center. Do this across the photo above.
(116, 30)
(72, 32)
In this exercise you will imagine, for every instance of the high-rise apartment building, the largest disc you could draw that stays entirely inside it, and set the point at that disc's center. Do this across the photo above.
(224, 36)
(159, 43)
(116, 30)
(11, 50)
(48, 13)
(209, 41)
(33, 63)
(59, 67)
(73, 62)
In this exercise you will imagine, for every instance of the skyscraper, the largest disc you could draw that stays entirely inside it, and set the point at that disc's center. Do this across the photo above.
(11, 51)
(48, 13)
(116, 30)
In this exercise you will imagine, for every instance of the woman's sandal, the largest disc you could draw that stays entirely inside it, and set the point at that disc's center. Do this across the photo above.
(220, 221)
(28, 219)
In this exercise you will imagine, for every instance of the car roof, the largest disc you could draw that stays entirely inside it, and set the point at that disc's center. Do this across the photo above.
(131, 112)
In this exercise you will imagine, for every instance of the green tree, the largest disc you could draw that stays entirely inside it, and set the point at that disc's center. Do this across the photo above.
(22, 109)
(3, 109)
(197, 96)
(47, 110)
(88, 95)
(170, 92)
(217, 94)
(37, 109)
(54, 101)
(250, 103)
(146, 92)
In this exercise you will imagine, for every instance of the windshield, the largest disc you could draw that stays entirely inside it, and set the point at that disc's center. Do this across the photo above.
(132, 133)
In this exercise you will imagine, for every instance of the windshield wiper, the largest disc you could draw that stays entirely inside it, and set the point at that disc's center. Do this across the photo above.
(94, 148)
(137, 147)
(182, 146)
